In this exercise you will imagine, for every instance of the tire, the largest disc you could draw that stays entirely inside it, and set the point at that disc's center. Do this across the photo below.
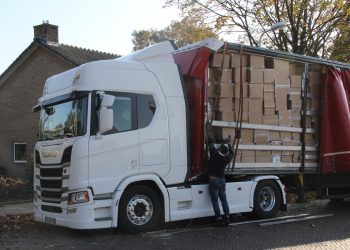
(267, 199)
(139, 210)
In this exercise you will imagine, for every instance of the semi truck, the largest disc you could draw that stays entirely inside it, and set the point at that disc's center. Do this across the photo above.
(123, 142)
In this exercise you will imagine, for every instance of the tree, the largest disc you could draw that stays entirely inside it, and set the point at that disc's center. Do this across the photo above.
(312, 24)
(340, 50)
(183, 32)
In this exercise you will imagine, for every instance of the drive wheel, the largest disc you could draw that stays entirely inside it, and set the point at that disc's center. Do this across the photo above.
(267, 199)
(140, 209)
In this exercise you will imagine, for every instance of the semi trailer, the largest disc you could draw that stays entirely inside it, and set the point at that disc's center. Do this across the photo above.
(123, 142)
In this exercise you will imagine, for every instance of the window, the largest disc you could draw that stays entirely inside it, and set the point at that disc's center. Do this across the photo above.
(146, 107)
(122, 114)
(20, 152)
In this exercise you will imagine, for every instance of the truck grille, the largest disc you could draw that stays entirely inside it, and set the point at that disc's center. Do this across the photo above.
(51, 179)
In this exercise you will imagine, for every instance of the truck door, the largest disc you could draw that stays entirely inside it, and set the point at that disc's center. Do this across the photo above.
(115, 154)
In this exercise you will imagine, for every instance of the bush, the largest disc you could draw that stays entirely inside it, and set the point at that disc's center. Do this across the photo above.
(29, 171)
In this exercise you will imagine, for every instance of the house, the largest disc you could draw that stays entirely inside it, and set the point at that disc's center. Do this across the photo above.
(22, 84)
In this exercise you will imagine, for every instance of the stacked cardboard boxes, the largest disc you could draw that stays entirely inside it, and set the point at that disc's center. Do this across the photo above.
(268, 90)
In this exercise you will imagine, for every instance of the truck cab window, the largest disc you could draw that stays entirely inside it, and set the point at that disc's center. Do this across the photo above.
(122, 114)
(146, 107)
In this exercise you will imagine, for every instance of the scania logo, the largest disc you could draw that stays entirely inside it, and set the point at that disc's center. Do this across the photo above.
(49, 154)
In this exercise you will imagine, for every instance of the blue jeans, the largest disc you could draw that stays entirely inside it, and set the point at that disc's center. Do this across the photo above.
(217, 189)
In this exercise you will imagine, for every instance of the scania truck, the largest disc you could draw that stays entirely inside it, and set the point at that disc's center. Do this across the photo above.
(122, 143)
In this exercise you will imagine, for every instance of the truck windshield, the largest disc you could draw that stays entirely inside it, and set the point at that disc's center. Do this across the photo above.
(66, 119)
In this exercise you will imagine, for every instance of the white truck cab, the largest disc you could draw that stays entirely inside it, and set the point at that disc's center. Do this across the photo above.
(113, 149)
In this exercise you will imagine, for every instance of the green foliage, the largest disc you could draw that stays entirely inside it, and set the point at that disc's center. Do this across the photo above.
(183, 32)
(340, 51)
(312, 24)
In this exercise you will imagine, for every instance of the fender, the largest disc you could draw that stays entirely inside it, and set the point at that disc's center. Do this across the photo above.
(136, 178)
(256, 179)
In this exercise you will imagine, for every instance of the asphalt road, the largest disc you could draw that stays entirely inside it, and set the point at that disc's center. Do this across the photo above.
(324, 233)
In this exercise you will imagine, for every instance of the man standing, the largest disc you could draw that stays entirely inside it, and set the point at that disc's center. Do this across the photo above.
(219, 158)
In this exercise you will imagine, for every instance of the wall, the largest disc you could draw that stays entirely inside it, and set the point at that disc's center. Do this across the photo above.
(18, 95)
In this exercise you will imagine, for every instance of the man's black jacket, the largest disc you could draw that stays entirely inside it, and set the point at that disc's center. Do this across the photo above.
(218, 161)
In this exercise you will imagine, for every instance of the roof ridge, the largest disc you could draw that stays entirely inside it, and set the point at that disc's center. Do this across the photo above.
(77, 47)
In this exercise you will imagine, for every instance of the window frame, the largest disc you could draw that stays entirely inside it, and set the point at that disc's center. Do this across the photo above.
(14, 152)
(94, 118)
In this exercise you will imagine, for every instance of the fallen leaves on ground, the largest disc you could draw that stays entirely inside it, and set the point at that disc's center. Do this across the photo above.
(15, 223)
(7, 183)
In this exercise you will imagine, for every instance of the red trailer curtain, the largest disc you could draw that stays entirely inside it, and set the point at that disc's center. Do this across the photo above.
(335, 132)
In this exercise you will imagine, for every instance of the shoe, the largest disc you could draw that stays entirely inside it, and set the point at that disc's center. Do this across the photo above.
(218, 222)
(226, 220)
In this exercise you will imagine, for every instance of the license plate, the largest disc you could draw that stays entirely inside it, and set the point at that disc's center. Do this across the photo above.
(50, 220)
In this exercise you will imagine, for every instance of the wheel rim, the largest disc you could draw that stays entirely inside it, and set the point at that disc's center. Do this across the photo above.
(139, 210)
(267, 199)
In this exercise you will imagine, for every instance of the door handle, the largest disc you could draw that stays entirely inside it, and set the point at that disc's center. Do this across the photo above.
(133, 163)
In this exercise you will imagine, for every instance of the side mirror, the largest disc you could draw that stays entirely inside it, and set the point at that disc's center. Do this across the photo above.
(105, 121)
(106, 114)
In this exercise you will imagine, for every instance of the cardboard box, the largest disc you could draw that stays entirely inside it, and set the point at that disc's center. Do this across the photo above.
(255, 75)
(220, 60)
(261, 136)
(255, 118)
(276, 158)
(282, 90)
(296, 136)
(291, 143)
(296, 123)
(285, 118)
(270, 119)
(225, 116)
(245, 108)
(255, 61)
(269, 87)
(236, 60)
(211, 90)
(256, 90)
(248, 159)
(255, 106)
(282, 77)
(296, 100)
(269, 111)
(269, 75)
(247, 136)
(309, 140)
(263, 156)
(248, 153)
(275, 136)
(225, 90)
(315, 77)
(285, 136)
(238, 88)
(287, 158)
(296, 157)
(281, 65)
(223, 75)
(295, 81)
(269, 100)
(236, 75)
(296, 68)
(281, 102)
(224, 104)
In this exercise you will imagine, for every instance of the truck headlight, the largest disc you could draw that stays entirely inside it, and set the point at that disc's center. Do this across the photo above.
(78, 197)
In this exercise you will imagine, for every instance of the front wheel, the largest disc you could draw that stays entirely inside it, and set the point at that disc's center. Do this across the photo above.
(267, 199)
(140, 209)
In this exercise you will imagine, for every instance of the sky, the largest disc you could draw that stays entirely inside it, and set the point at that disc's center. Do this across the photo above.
(104, 25)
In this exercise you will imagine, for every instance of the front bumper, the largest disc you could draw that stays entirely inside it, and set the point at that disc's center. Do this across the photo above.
(94, 215)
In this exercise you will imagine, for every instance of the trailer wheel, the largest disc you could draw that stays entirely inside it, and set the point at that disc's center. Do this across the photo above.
(267, 199)
(140, 209)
